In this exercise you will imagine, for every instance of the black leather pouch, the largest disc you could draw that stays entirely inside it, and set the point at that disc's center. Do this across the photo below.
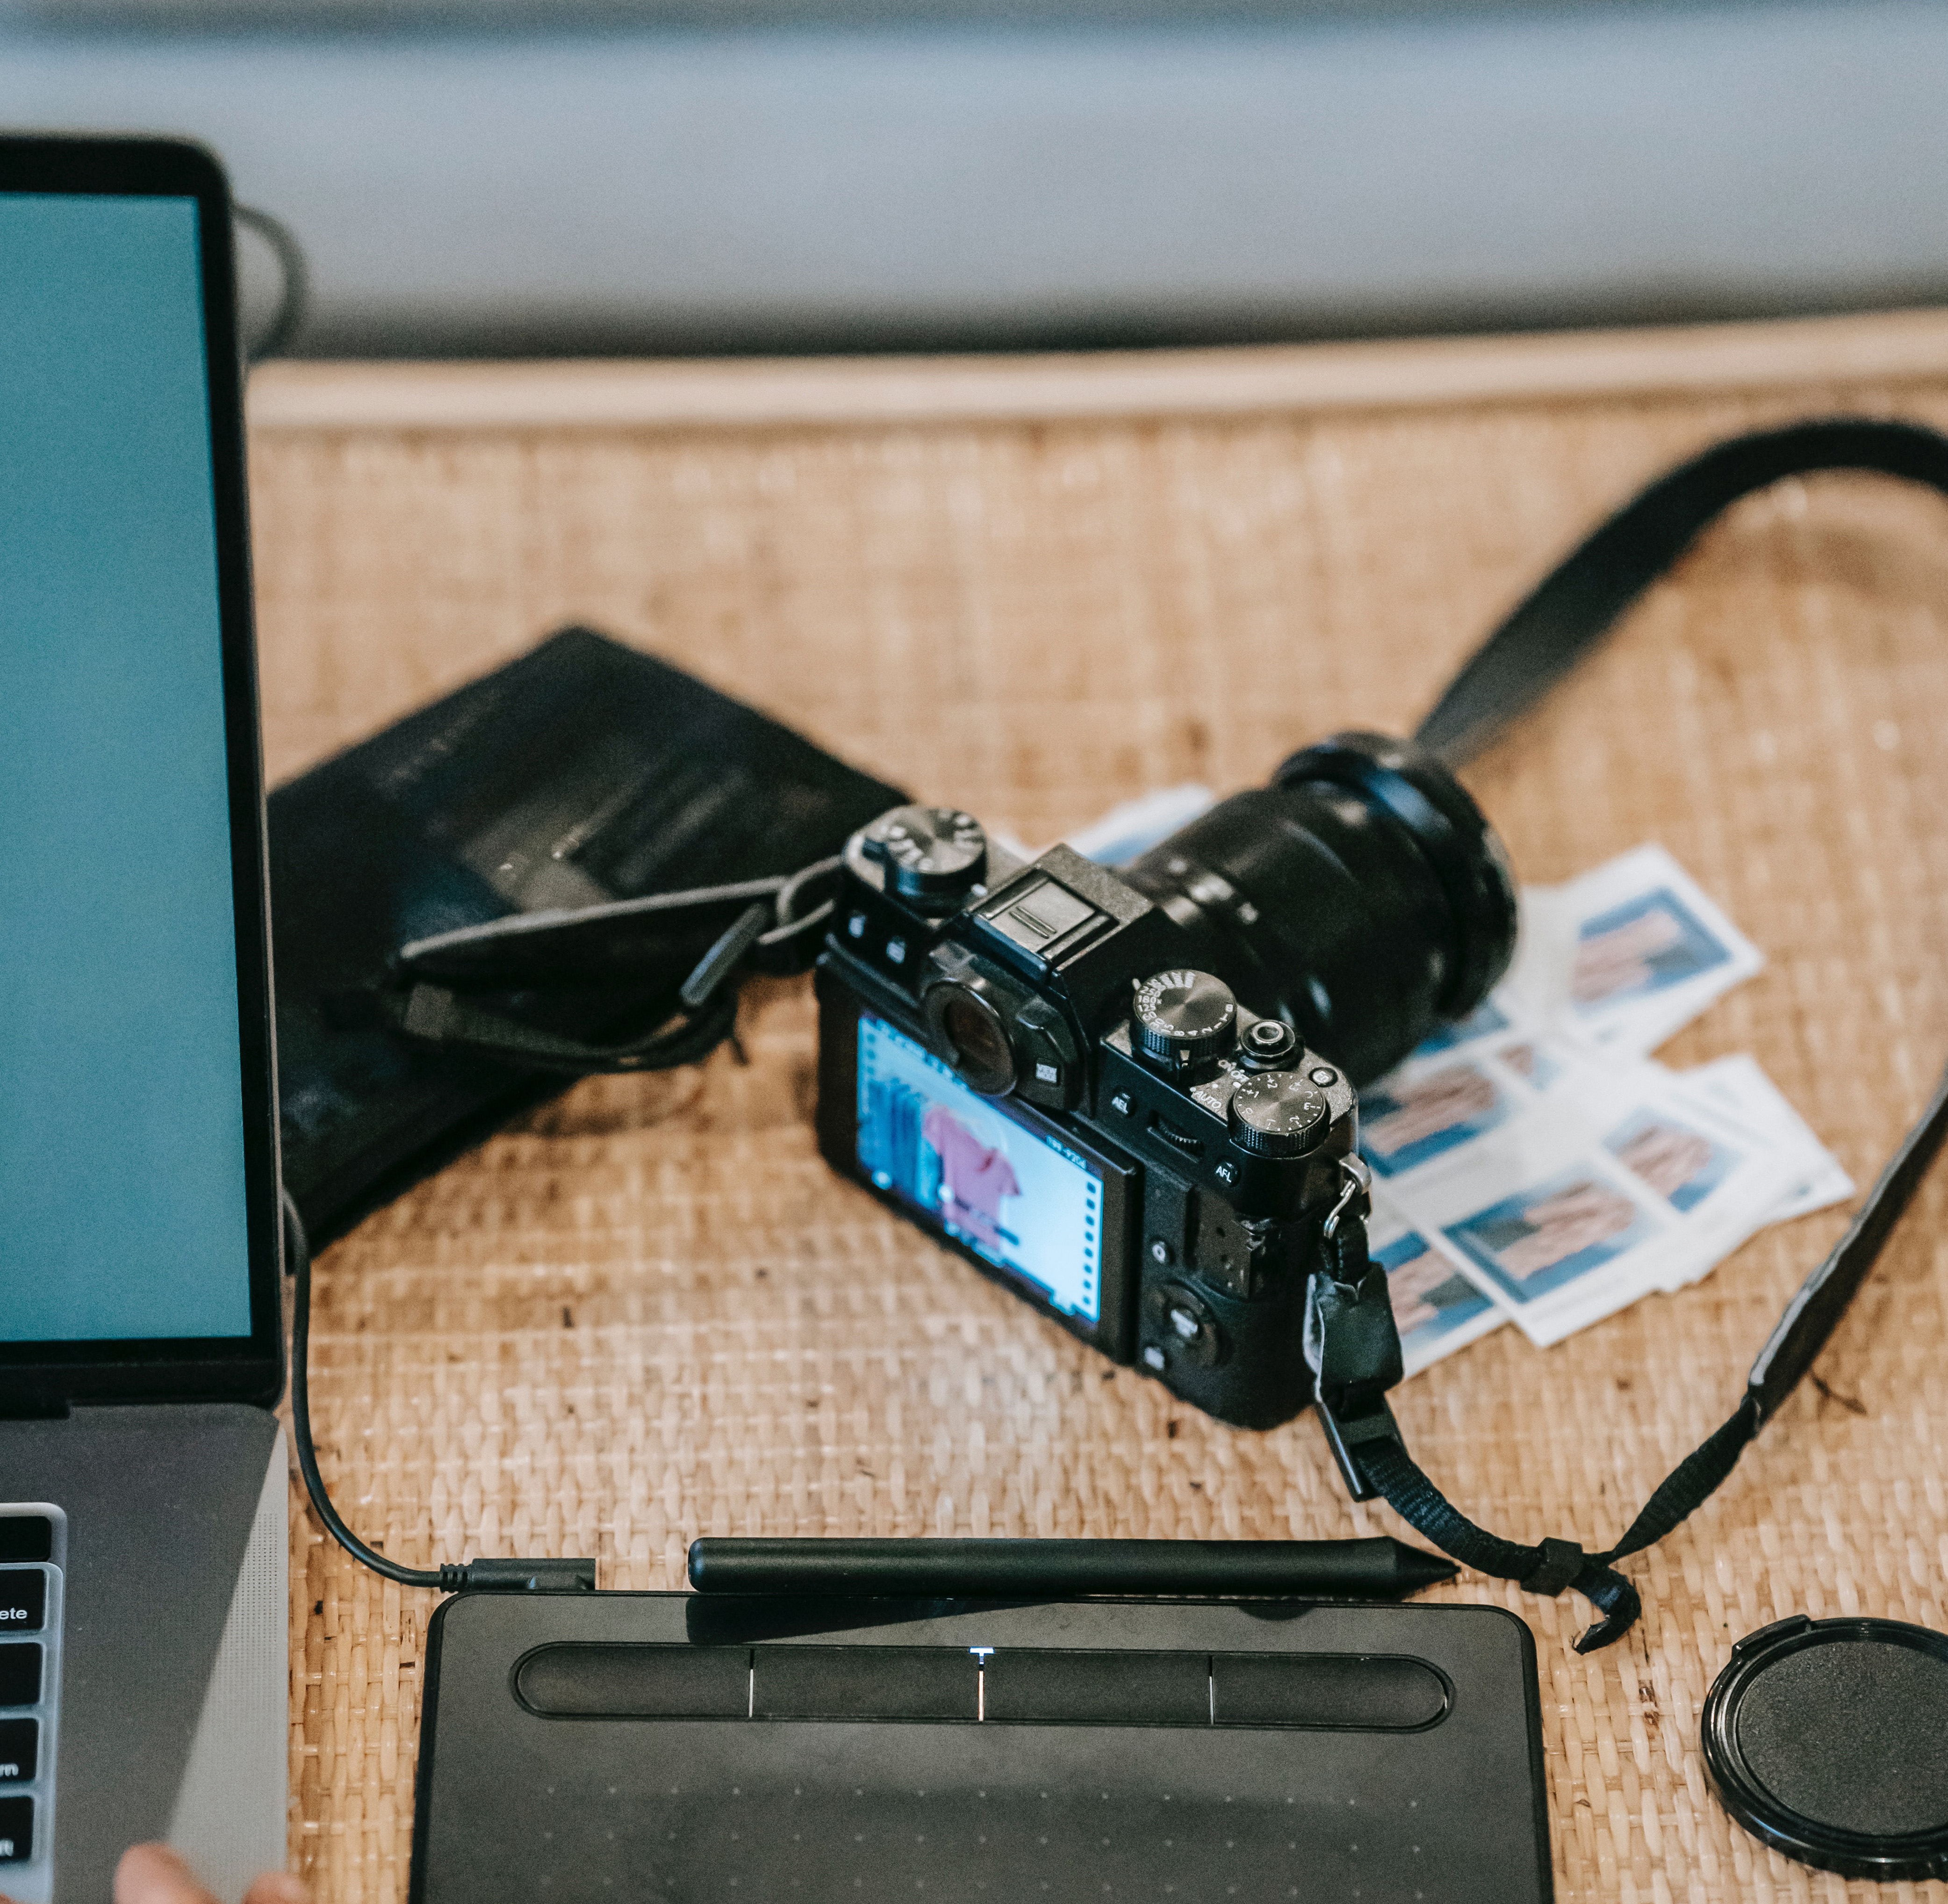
(583, 772)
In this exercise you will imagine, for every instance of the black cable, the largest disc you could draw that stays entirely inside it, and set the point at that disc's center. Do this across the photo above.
(529, 951)
(295, 277)
(514, 1576)
(447, 1578)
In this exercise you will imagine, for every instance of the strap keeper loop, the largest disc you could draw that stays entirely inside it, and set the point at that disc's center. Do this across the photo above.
(1562, 1561)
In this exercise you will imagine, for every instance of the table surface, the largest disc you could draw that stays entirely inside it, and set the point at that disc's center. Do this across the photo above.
(1033, 588)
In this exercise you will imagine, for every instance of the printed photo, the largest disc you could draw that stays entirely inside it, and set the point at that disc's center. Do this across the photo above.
(1531, 1064)
(1639, 948)
(1541, 1239)
(1488, 1016)
(1405, 1124)
(1682, 1165)
(1431, 1298)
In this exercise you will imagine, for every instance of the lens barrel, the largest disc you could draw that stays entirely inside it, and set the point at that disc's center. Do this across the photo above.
(1361, 896)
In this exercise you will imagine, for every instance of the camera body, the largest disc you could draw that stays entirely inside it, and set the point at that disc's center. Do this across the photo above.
(1104, 1089)
(1142, 1176)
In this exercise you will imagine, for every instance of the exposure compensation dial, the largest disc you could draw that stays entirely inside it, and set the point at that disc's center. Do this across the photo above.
(1277, 1113)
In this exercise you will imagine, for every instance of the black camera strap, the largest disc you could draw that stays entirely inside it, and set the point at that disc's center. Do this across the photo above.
(1542, 641)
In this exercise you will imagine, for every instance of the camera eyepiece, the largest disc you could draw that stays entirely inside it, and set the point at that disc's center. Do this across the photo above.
(970, 1030)
(1361, 897)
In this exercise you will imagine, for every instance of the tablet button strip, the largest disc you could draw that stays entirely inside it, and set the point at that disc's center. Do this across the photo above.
(33, 1553)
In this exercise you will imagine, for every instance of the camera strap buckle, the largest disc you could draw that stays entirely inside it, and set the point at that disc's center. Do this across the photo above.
(1351, 1341)
(1350, 1435)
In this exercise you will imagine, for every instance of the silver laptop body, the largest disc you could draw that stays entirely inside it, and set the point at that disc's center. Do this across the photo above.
(144, 1596)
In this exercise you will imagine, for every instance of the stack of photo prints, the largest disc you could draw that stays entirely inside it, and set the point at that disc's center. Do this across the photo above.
(1534, 1164)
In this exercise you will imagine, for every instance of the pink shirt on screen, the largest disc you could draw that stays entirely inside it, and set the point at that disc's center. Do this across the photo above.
(976, 1178)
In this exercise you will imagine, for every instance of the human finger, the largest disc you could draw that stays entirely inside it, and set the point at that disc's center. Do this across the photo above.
(278, 1887)
(152, 1873)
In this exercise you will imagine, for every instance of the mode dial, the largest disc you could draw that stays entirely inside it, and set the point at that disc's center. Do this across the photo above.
(1184, 1020)
(932, 854)
(1277, 1113)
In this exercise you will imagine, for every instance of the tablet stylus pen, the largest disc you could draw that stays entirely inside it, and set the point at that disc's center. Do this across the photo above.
(1381, 1568)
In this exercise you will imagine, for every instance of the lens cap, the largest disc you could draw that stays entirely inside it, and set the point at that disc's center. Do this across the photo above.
(1829, 1740)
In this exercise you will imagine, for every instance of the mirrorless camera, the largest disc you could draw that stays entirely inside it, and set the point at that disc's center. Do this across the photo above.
(1130, 1096)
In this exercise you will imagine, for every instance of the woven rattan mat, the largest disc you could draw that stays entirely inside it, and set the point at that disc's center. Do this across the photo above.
(649, 1312)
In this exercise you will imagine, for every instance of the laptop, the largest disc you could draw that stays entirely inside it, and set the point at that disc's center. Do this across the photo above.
(143, 1606)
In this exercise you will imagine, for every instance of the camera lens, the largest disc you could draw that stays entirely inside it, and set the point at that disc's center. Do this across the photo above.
(973, 1031)
(1362, 897)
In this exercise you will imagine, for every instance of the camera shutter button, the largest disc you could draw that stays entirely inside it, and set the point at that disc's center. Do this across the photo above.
(1184, 1019)
(1277, 1113)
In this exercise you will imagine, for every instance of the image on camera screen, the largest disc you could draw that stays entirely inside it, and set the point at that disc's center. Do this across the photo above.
(1019, 1198)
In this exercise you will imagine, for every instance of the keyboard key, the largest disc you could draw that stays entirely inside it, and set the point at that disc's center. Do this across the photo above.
(24, 1599)
(19, 1674)
(1054, 1687)
(19, 1749)
(638, 1682)
(26, 1537)
(16, 1831)
(865, 1683)
(1339, 1691)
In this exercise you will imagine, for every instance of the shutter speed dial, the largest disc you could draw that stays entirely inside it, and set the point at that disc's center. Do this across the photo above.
(1185, 1020)
(932, 855)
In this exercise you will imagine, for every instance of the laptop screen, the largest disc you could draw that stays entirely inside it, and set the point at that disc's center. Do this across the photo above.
(123, 1211)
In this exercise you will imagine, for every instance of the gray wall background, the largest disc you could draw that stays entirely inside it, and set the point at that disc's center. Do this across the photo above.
(466, 176)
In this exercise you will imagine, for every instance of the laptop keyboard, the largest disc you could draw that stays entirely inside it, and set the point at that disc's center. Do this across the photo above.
(33, 1553)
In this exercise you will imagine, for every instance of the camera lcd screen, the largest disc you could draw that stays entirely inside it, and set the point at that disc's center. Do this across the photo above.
(1019, 1198)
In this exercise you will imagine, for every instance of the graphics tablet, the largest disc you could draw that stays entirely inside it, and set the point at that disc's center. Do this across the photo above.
(681, 1746)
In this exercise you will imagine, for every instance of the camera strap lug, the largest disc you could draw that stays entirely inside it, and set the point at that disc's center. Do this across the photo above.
(1356, 1197)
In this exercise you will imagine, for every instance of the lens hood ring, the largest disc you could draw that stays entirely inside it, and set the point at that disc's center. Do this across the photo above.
(1440, 816)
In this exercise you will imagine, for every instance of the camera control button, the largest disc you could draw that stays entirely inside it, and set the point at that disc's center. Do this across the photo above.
(931, 853)
(1184, 1020)
(1277, 1113)
(1269, 1043)
(1183, 1320)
